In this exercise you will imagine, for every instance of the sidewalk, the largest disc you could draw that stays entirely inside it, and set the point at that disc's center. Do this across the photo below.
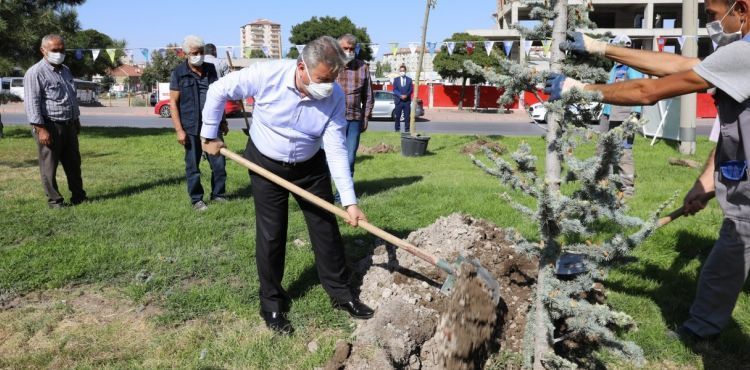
(468, 115)
(119, 110)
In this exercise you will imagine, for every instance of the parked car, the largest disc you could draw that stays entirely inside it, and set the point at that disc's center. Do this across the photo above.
(231, 108)
(384, 105)
(538, 112)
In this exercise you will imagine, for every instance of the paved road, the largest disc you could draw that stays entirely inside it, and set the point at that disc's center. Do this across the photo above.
(516, 125)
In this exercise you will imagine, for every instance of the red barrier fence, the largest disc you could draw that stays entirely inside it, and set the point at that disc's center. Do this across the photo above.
(448, 96)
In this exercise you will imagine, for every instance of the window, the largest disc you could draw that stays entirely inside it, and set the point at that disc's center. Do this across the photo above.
(16, 82)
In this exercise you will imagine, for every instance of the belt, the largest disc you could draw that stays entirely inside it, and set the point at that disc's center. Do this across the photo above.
(291, 164)
(65, 122)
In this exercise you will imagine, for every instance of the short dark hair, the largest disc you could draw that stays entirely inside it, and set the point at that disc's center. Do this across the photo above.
(210, 49)
(402, 66)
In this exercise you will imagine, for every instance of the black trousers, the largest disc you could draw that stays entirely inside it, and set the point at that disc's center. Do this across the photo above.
(271, 221)
(64, 149)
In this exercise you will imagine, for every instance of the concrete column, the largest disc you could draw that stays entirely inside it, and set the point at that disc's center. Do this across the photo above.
(688, 102)
(648, 16)
(514, 13)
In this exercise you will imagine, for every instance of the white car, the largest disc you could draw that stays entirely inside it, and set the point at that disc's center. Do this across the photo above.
(384, 105)
(538, 112)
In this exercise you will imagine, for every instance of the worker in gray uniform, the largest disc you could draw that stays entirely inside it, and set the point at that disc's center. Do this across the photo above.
(725, 173)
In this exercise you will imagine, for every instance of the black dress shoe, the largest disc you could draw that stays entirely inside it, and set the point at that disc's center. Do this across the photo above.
(355, 308)
(277, 322)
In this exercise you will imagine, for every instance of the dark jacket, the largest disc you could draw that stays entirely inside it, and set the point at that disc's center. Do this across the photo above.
(186, 82)
(399, 90)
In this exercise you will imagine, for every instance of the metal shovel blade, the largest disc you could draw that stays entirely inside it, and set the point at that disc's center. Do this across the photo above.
(482, 273)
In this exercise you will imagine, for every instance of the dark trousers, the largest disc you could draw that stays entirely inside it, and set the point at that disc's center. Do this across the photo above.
(63, 149)
(405, 108)
(271, 221)
(193, 153)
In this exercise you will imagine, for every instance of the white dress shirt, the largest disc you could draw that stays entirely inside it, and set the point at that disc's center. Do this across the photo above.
(286, 126)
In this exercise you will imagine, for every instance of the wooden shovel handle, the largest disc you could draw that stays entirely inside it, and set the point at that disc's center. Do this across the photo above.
(312, 198)
(679, 212)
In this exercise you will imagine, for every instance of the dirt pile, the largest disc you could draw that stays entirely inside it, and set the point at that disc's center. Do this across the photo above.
(417, 327)
(476, 146)
(381, 148)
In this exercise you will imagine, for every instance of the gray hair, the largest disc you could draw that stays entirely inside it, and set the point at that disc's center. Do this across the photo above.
(51, 37)
(326, 50)
(348, 38)
(191, 42)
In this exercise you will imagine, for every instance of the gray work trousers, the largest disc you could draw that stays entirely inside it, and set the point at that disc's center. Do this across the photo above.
(626, 169)
(63, 149)
(721, 279)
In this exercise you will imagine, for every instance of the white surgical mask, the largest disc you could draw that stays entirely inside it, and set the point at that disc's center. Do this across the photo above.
(349, 56)
(717, 34)
(402, 74)
(317, 90)
(196, 60)
(55, 58)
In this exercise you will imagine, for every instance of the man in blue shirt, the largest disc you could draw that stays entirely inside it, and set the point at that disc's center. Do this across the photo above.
(298, 109)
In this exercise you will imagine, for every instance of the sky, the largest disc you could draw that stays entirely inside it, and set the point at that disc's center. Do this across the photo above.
(154, 23)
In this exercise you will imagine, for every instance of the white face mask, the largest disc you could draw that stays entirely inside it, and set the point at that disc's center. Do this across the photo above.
(349, 56)
(317, 90)
(717, 34)
(402, 74)
(196, 60)
(55, 58)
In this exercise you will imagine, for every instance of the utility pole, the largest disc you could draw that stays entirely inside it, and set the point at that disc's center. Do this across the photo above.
(688, 102)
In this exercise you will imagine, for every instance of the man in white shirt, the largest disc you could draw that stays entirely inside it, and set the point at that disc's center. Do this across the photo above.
(298, 109)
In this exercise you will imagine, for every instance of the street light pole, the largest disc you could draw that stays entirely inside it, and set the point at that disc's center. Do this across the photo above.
(688, 102)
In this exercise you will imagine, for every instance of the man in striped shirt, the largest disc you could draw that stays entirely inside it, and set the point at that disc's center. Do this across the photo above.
(52, 109)
(355, 81)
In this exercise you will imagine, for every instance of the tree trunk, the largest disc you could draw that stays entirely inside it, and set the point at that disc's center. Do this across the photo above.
(413, 116)
(462, 94)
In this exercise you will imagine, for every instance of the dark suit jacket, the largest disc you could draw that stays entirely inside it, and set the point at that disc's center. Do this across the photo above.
(399, 90)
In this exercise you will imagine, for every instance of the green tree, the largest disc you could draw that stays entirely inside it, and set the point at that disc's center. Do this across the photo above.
(381, 69)
(91, 39)
(23, 23)
(107, 82)
(452, 66)
(255, 53)
(160, 69)
(328, 26)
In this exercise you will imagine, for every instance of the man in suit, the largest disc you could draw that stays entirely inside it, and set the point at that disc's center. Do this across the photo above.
(402, 90)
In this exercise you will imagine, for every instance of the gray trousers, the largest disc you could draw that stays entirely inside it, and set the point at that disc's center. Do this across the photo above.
(626, 169)
(64, 149)
(721, 279)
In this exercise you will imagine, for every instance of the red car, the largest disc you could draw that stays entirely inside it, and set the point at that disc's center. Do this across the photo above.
(231, 108)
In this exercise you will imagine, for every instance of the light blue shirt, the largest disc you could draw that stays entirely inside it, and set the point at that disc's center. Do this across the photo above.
(286, 126)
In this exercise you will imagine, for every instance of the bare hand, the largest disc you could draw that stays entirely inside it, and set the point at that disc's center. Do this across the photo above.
(363, 128)
(213, 147)
(355, 215)
(697, 198)
(403, 97)
(43, 135)
(181, 137)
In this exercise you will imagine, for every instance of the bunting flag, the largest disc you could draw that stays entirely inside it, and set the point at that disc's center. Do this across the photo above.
(451, 45)
(79, 54)
(488, 45)
(111, 53)
(299, 48)
(660, 42)
(527, 46)
(413, 47)
(508, 46)
(431, 45)
(681, 40)
(394, 47)
(375, 48)
(144, 51)
(545, 46)
(266, 51)
(95, 53)
(469, 47)
(357, 49)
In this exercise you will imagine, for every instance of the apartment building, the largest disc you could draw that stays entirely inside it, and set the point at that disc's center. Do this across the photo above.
(262, 32)
(643, 21)
(411, 61)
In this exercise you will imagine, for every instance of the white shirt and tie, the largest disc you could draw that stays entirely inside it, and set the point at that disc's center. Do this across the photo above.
(286, 126)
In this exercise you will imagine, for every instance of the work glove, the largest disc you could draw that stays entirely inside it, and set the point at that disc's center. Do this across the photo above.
(558, 83)
(582, 45)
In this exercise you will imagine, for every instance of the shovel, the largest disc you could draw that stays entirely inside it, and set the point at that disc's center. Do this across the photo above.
(246, 130)
(447, 267)
(679, 212)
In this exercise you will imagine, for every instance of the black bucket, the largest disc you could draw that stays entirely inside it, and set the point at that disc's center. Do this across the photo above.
(413, 146)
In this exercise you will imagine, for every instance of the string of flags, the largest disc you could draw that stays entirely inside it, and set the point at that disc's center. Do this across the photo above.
(431, 46)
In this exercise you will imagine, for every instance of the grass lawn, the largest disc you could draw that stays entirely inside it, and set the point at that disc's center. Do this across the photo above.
(136, 278)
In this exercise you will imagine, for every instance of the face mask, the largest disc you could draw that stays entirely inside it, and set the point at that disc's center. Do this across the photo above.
(55, 58)
(196, 60)
(717, 34)
(402, 74)
(349, 56)
(317, 90)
